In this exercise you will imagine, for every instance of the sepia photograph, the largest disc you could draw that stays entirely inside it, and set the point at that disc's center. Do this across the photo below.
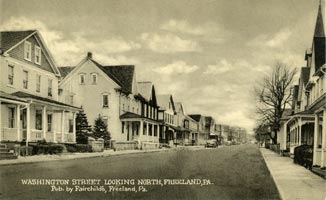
(163, 99)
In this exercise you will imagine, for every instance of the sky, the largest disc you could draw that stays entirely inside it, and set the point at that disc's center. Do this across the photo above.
(209, 54)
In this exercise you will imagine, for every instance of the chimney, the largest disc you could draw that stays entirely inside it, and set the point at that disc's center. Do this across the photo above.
(89, 55)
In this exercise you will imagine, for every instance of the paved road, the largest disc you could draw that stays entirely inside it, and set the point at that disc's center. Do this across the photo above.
(235, 172)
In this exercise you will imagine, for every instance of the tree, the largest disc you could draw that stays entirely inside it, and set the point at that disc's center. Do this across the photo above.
(274, 94)
(100, 129)
(82, 127)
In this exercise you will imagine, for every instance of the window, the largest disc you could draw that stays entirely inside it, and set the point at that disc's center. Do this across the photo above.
(50, 87)
(11, 117)
(105, 101)
(27, 51)
(82, 78)
(38, 55)
(49, 122)
(94, 78)
(10, 75)
(71, 99)
(38, 120)
(25, 79)
(38, 83)
(71, 125)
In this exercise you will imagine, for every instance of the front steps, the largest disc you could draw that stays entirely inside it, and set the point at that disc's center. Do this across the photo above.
(5, 154)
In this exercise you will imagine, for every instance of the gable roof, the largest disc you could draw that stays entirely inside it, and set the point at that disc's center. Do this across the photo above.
(195, 117)
(145, 89)
(305, 72)
(8, 39)
(319, 27)
(11, 39)
(163, 101)
(124, 73)
(65, 70)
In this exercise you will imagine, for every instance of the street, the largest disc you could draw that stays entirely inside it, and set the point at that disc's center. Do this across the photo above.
(236, 172)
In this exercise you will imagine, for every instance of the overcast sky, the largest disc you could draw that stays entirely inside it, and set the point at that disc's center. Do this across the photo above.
(208, 53)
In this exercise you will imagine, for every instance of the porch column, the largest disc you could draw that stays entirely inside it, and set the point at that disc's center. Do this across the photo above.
(158, 132)
(153, 137)
(141, 130)
(315, 139)
(44, 122)
(18, 122)
(28, 126)
(62, 125)
(323, 144)
(283, 145)
(300, 132)
(74, 127)
(147, 127)
(0, 123)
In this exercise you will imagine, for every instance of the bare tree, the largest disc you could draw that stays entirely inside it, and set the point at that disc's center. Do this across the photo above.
(274, 94)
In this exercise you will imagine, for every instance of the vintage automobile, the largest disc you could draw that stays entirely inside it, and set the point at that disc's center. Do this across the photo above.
(211, 143)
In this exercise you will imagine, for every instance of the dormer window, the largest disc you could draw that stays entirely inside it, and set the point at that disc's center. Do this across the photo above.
(38, 53)
(28, 51)
(82, 78)
(94, 79)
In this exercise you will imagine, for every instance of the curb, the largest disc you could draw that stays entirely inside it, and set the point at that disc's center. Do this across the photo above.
(280, 191)
(93, 156)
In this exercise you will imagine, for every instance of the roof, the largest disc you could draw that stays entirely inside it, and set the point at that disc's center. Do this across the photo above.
(163, 101)
(305, 112)
(295, 92)
(31, 96)
(107, 72)
(208, 120)
(145, 89)
(196, 117)
(64, 71)
(11, 97)
(9, 39)
(305, 73)
(319, 28)
(124, 73)
(129, 115)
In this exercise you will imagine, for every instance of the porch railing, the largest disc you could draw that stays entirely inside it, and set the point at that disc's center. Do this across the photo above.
(9, 134)
(36, 135)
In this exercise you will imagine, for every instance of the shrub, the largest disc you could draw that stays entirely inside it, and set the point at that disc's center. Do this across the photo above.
(83, 148)
(78, 148)
(303, 155)
(23, 150)
(47, 149)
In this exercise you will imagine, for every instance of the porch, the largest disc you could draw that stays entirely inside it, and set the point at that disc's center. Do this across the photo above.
(319, 155)
(298, 130)
(138, 128)
(31, 118)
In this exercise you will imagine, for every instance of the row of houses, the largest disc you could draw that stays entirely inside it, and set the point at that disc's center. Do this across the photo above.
(39, 100)
(305, 122)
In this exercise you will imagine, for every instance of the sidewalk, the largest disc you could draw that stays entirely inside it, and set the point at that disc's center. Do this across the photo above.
(293, 181)
(71, 156)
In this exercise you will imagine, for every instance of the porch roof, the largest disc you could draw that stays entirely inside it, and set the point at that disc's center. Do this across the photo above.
(27, 96)
(11, 97)
(137, 117)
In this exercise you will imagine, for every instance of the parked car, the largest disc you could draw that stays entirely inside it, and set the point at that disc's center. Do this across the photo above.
(211, 143)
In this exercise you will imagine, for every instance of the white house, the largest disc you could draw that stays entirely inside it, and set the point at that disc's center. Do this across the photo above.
(29, 106)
